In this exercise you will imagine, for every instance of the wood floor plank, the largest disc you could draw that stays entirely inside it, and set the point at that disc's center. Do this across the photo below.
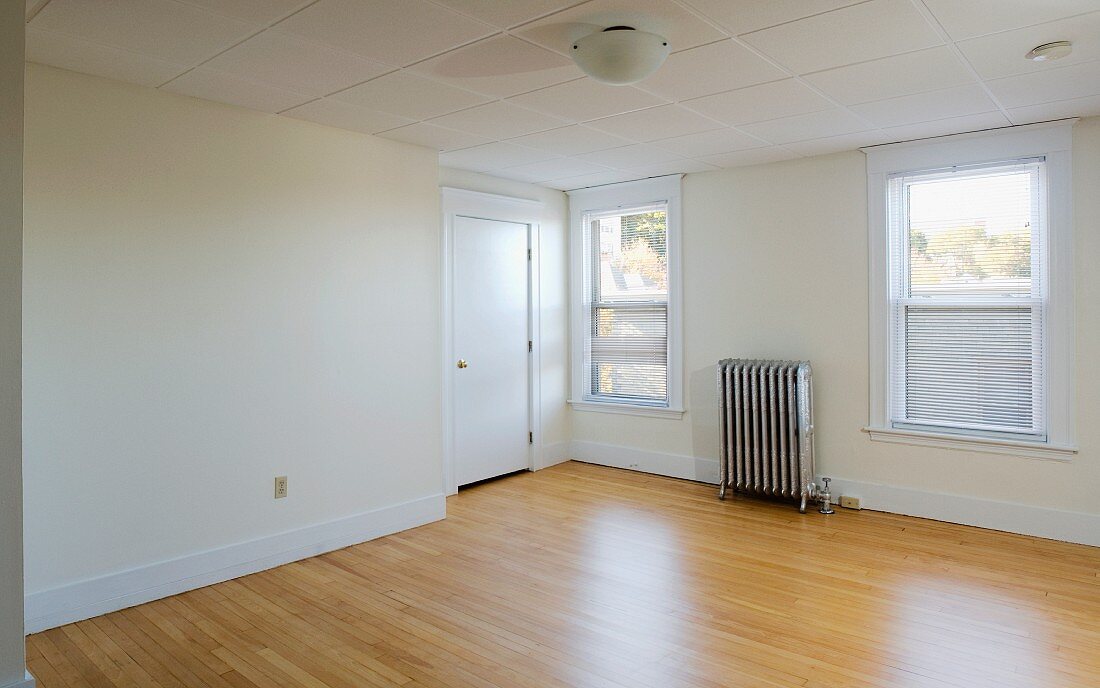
(586, 576)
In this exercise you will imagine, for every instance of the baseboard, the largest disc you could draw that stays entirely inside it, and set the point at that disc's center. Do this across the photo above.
(672, 465)
(555, 453)
(26, 682)
(93, 597)
(1053, 524)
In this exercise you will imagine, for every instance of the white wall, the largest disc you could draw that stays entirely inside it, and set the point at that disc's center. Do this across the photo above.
(554, 298)
(775, 266)
(11, 238)
(214, 297)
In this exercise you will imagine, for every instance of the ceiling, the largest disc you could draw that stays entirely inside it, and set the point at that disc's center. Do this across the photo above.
(488, 82)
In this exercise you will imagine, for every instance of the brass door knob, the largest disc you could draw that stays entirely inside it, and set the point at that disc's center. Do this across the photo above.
(462, 363)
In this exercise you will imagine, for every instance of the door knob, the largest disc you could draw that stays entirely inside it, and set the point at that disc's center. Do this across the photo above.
(462, 363)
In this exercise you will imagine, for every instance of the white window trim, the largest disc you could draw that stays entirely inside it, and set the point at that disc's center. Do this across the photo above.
(1053, 141)
(608, 197)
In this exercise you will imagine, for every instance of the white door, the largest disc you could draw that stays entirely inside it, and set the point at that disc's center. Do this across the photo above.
(491, 348)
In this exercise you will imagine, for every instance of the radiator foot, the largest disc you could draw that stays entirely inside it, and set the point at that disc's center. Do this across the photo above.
(722, 491)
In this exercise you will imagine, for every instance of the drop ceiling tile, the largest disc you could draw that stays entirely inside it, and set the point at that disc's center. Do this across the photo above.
(814, 125)
(1078, 107)
(977, 18)
(552, 169)
(499, 120)
(631, 157)
(67, 52)
(709, 69)
(866, 31)
(507, 14)
(409, 95)
(285, 61)
(264, 12)
(493, 156)
(710, 142)
(344, 116)
(500, 66)
(396, 32)
(586, 180)
(756, 156)
(956, 101)
(1002, 54)
(572, 140)
(586, 99)
(674, 167)
(742, 16)
(1060, 83)
(758, 103)
(160, 29)
(682, 28)
(431, 136)
(836, 144)
(943, 127)
(660, 122)
(890, 77)
(210, 84)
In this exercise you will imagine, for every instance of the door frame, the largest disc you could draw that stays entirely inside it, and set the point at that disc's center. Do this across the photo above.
(486, 206)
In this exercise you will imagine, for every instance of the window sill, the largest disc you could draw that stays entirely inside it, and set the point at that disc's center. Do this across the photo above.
(626, 409)
(987, 445)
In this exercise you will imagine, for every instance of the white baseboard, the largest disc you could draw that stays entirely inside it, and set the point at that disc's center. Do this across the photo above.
(93, 597)
(672, 465)
(26, 682)
(1053, 524)
(555, 453)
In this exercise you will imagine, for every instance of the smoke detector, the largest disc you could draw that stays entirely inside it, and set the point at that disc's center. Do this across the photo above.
(1050, 51)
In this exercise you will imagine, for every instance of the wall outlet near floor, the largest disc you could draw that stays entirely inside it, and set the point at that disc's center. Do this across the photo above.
(280, 486)
(850, 503)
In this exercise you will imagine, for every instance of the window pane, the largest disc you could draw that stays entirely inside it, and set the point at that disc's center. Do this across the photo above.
(627, 280)
(965, 254)
(972, 235)
(632, 257)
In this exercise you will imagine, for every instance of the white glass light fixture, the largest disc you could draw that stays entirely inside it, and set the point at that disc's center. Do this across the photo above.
(620, 54)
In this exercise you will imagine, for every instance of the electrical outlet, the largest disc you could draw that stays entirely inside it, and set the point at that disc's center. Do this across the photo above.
(850, 503)
(280, 487)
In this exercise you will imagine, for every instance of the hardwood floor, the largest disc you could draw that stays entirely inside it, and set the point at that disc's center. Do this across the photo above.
(587, 576)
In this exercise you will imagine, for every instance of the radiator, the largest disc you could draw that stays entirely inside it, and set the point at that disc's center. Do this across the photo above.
(766, 429)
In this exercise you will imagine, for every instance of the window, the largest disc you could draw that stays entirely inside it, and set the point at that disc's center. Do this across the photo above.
(972, 315)
(625, 331)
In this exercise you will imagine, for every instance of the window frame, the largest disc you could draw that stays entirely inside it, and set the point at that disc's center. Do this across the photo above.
(1050, 141)
(603, 199)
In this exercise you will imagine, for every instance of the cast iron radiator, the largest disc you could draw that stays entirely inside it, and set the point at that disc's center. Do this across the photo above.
(766, 428)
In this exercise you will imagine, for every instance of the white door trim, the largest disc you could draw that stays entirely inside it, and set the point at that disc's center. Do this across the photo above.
(461, 202)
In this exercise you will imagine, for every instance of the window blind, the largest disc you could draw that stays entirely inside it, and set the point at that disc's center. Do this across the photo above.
(626, 288)
(967, 299)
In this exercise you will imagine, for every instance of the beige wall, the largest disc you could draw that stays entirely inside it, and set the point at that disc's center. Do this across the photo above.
(775, 266)
(11, 254)
(553, 296)
(214, 297)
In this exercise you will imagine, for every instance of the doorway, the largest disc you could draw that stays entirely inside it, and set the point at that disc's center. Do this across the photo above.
(490, 361)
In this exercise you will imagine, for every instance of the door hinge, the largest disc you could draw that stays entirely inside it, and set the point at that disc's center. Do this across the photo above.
(530, 438)
(530, 345)
(528, 254)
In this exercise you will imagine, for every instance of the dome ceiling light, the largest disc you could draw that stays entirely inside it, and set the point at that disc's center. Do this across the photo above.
(620, 54)
(1050, 51)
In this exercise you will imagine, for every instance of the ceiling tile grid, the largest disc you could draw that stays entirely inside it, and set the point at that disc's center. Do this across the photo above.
(489, 84)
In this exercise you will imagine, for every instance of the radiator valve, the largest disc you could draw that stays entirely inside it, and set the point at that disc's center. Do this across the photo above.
(826, 498)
